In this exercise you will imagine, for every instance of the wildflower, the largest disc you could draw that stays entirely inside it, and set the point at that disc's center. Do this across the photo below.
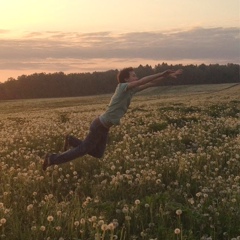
(42, 228)
(29, 207)
(177, 231)
(198, 194)
(179, 212)
(113, 167)
(115, 222)
(93, 219)
(33, 228)
(137, 202)
(158, 181)
(59, 213)
(151, 224)
(82, 221)
(104, 227)
(50, 218)
(191, 200)
(125, 209)
(76, 223)
(3, 221)
(100, 222)
(58, 228)
(111, 226)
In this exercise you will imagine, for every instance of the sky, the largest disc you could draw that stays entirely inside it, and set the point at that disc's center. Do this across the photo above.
(74, 36)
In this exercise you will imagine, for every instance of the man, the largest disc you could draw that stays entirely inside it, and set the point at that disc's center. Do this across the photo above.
(95, 142)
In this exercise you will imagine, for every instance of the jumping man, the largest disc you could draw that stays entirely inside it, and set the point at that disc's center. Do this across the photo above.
(95, 142)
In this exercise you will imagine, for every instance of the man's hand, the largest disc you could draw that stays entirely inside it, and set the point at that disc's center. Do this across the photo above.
(175, 74)
(167, 73)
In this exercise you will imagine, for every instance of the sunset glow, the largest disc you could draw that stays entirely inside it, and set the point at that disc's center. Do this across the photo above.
(85, 36)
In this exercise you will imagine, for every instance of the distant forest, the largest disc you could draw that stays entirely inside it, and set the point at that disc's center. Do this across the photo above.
(52, 85)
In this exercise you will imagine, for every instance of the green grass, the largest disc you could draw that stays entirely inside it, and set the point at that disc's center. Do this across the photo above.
(176, 149)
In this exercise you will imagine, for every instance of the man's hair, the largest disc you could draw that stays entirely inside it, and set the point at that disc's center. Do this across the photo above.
(123, 74)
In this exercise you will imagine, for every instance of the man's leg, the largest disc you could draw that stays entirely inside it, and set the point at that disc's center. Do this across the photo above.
(87, 146)
(71, 141)
(96, 152)
(99, 149)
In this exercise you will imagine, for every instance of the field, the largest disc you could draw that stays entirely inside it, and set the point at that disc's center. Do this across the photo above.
(171, 170)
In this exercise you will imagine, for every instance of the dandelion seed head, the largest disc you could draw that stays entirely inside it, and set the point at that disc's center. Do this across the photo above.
(76, 223)
(58, 228)
(82, 221)
(177, 231)
(104, 227)
(3, 221)
(29, 207)
(146, 205)
(42, 228)
(179, 212)
(50, 218)
(33, 228)
(137, 202)
(111, 226)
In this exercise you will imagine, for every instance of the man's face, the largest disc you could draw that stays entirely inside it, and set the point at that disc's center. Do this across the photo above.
(132, 77)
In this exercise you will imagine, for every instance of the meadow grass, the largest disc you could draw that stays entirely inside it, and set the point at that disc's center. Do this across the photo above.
(171, 170)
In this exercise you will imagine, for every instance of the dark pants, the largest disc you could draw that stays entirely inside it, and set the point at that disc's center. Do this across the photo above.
(94, 144)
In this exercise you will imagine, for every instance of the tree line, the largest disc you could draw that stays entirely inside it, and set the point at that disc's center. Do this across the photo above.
(51, 85)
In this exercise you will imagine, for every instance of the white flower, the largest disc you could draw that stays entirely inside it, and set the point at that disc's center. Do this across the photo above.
(93, 219)
(33, 228)
(3, 220)
(177, 231)
(42, 228)
(104, 227)
(59, 213)
(76, 223)
(191, 200)
(137, 202)
(50, 218)
(125, 209)
(111, 226)
(58, 228)
(179, 212)
(82, 221)
(158, 181)
(29, 207)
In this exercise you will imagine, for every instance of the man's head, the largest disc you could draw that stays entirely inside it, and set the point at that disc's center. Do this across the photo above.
(126, 75)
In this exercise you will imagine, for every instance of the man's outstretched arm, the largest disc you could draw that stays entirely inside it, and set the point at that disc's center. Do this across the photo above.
(149, 78)
(156, 82)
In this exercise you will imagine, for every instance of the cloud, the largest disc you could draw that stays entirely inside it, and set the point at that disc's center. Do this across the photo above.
(4, 31)
(66, 50)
